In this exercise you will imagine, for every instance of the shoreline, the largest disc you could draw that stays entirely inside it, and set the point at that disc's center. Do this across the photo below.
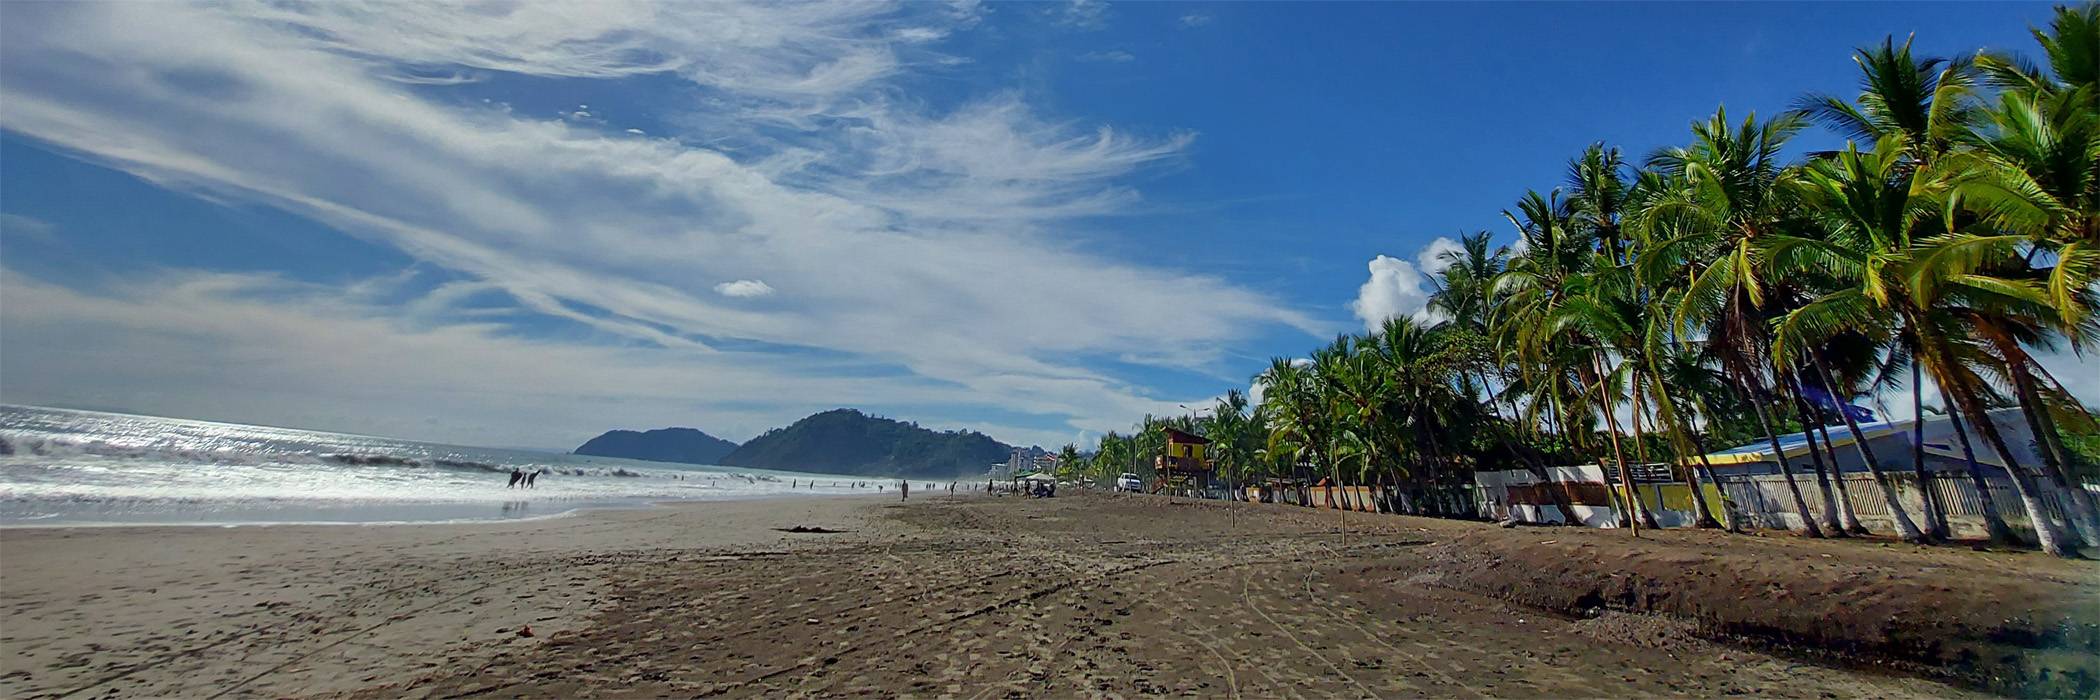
(639, 504)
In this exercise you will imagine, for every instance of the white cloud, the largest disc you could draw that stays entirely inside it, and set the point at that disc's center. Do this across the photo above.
(744, 289)
(1084, 14)
(258, 348)
(1396, 289)
(1114, 56)
(17, 227)
(1431, 260)
(814, 176)
(1196, 19)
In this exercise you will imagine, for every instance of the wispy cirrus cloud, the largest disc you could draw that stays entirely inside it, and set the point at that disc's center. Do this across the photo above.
(1083, 14)
(812, 174)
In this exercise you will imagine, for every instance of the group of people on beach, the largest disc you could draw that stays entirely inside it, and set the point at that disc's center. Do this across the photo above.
(520, 479)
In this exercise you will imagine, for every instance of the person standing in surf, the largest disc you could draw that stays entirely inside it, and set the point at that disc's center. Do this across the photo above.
(515, 477)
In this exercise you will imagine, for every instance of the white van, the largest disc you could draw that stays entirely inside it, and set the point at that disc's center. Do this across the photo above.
(1129, 482)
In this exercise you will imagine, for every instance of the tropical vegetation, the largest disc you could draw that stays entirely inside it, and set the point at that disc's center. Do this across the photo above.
(1732, 289)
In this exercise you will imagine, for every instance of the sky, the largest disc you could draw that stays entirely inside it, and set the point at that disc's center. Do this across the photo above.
(521, 225)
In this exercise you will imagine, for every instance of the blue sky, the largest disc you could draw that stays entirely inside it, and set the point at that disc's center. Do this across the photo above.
(522, 225)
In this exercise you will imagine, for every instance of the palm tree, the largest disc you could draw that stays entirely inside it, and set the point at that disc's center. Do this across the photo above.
(1871, 212)
(1069, 462)
(1229, 430)
(1717, 198)
(1291, 408)
(1925, 101)
(1906, 529)
(1466, 295)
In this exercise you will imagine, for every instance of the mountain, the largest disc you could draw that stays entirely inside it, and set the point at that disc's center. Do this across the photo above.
(846, 441)
(666, 445)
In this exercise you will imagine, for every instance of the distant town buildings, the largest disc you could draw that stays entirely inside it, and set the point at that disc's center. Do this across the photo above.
(1024, 460)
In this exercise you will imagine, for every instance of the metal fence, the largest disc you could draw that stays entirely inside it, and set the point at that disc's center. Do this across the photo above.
(1765, 500)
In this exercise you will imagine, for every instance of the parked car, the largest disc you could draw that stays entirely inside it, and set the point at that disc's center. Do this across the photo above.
(1129, 482)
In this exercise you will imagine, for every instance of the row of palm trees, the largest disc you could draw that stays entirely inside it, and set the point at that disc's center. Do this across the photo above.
(1719, 292)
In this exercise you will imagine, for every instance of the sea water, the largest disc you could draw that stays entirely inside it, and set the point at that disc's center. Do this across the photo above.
(66, 467)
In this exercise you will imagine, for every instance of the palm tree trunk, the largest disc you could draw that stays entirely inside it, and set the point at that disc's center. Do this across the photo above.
(1815, 455)
(1640, 447)
(2045, 532)
(1905, 529)
(1671, 419)
(1531, 464)
(1947, 373)
(1728, 511)
(1761, 404)
(1611, 423)
(1928, 500)
(1436, 463)
(1993, 522)
(1846, 514)
(1832, 520)
(2082, 515)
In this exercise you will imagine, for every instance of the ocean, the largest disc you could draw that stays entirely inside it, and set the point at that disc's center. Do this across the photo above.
(67, 467)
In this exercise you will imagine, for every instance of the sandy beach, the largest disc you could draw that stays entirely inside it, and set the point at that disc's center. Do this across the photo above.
(1089, 595)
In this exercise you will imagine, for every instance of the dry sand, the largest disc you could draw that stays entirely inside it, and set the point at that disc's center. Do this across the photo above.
(1092, 595)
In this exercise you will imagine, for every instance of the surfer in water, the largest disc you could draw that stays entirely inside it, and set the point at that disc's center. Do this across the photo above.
(515, 477)
(534, 476)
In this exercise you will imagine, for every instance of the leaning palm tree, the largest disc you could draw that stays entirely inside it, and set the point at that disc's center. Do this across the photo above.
(1718, 197)
(1872, 211)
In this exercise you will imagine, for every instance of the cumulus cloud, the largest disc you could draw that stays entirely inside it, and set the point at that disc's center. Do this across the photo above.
(1398, 288)
(814, 176)
(744, 289)
(1432, 258)
(1196, 19)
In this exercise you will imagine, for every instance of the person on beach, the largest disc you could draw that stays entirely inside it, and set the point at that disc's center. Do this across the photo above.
(532, 477)
(904, 491)
(515, 477)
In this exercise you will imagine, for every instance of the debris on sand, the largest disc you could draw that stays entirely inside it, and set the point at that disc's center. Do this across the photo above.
(805, 529)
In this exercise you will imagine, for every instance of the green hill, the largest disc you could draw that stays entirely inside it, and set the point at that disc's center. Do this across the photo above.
(846, 441)
(666, 445)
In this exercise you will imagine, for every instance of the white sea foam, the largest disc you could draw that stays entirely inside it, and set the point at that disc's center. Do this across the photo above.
(68, 467)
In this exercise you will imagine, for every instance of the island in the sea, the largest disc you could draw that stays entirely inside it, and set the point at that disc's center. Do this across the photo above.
(685, 445)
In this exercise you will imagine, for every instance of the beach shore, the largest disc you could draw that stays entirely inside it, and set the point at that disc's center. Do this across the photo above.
(1093, 594)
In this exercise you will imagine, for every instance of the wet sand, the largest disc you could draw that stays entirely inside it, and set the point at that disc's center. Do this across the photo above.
(1091, 595)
